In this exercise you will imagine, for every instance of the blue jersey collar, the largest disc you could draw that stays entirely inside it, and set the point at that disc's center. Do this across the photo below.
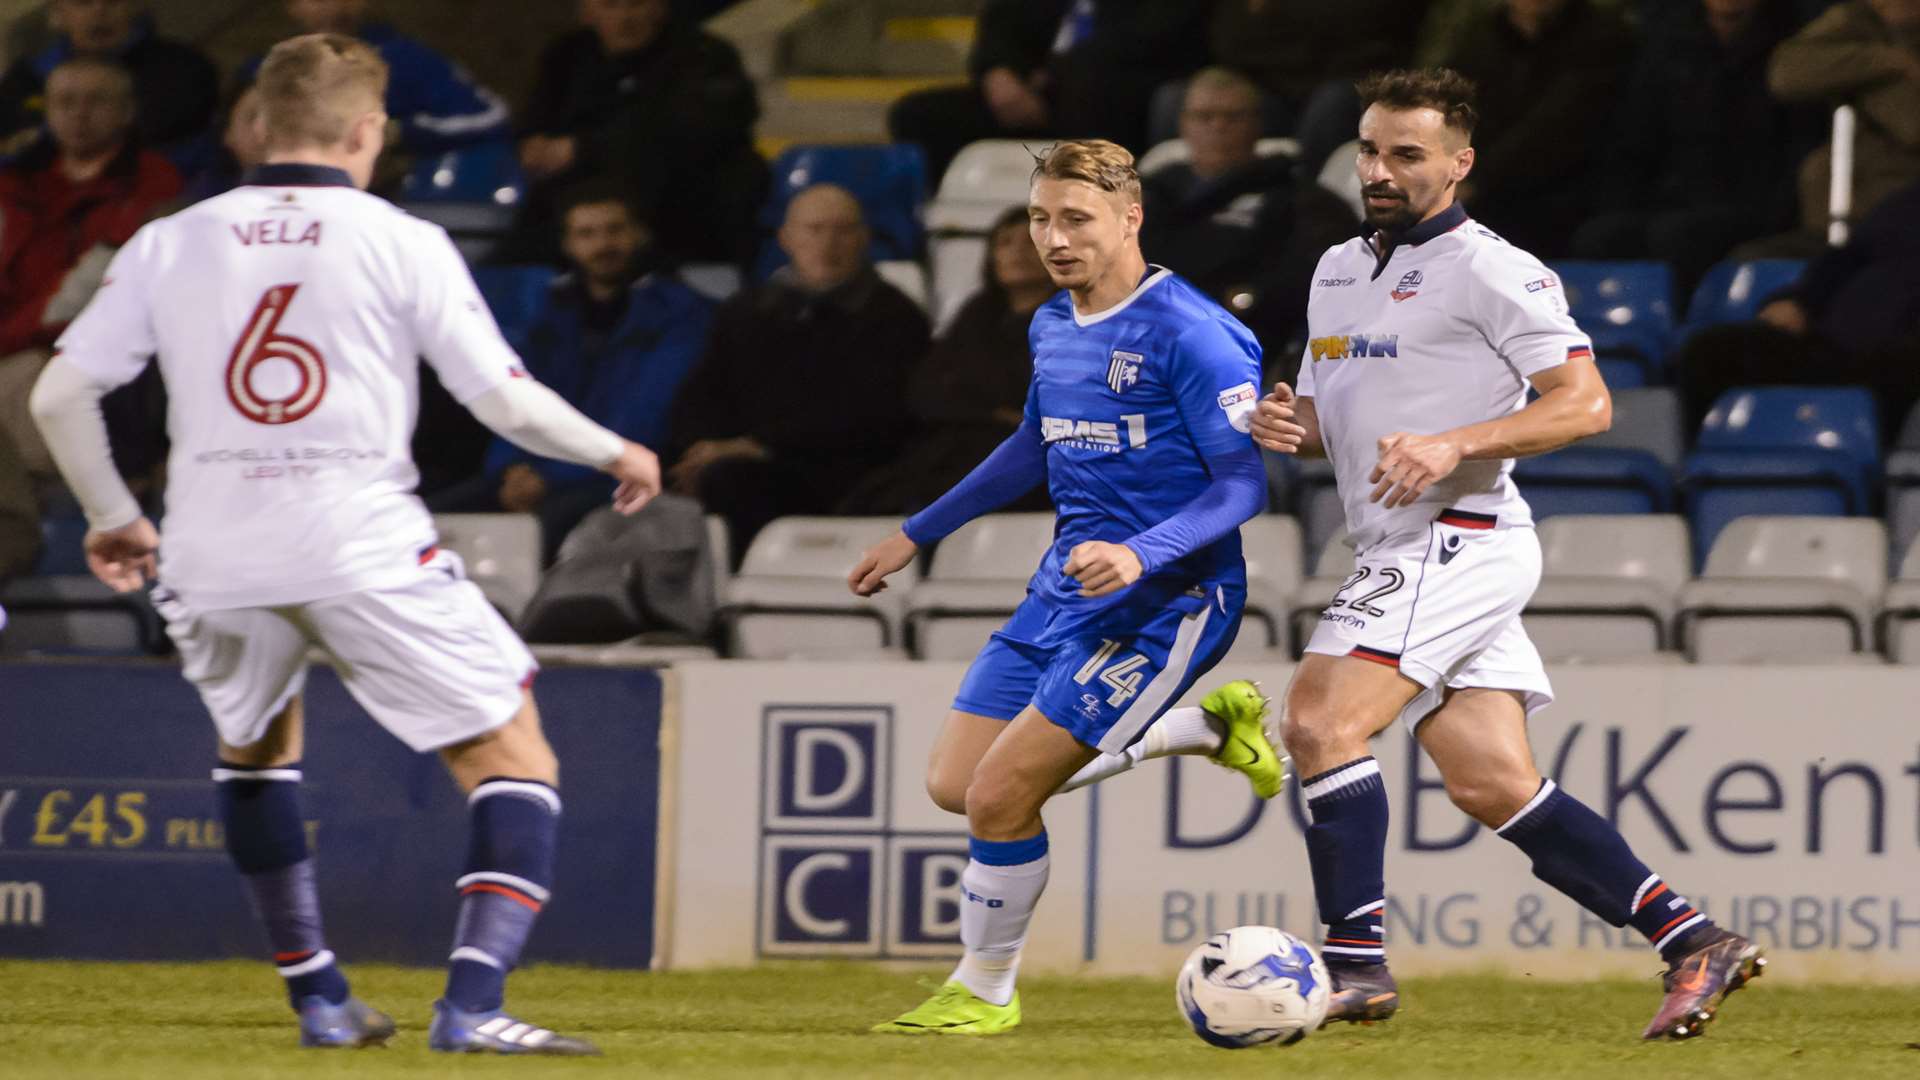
(294, 174)
(1385, 243)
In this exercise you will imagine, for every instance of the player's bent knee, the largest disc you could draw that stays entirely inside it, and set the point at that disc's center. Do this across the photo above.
(947, 791)
(1000, 807)
(1491, 802)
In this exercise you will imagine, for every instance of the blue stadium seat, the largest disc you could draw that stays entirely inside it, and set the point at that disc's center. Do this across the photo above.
(1585, 480)
(1733, 292)
(487, 172)
(1627, 308)
(61, 536)
(1781, 450)
(1621, 372)
(890, 182)
(515, 294)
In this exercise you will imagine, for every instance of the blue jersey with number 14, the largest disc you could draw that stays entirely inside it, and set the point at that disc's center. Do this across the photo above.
(1131, 402)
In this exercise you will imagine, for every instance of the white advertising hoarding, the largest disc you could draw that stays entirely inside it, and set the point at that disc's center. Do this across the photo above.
(1785, 802)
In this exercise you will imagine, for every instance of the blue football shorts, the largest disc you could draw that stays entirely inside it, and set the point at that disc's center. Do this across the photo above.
(1103, 677)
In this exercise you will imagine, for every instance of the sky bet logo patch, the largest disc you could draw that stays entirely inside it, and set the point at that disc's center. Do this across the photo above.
(1409, 286)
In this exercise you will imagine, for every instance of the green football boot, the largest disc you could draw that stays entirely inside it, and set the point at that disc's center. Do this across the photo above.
(953, 1010)
(1242, 708)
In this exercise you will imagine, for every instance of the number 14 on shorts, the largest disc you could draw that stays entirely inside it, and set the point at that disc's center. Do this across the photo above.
(1123, 676)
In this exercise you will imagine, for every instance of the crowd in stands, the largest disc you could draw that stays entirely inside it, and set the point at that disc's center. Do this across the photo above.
(1684, 131)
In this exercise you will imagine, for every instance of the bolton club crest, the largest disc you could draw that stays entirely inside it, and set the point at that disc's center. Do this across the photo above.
(1409, 286)
(1123, 371)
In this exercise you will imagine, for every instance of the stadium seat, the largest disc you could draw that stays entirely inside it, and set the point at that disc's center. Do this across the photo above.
(476, 227)
(790, 598)
(1608, 586)
(487, 172)
(720, 546)
(501, 553)
(1621, 373)
(1903, 485)
(977, 577)
(1786, 590)
(1900, 615)
(1645, 419)
(1594, 480)
(515, 294)
(907, 276)
(984, 180)
(1626, 308)
(62, 550)
(1175, 151)
(1339, 176)
(715, 281)
(890, 182)
(1316, 502)
(1781, 450)
(1331, 568)
(1272, 545)
(1734, 291)
(74, 614)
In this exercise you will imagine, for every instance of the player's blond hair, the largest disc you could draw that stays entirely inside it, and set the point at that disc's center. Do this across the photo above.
(1106, 165)
(313, 87)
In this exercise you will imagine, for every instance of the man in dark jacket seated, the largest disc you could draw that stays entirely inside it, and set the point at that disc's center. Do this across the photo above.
(1237, 224)
(177, 88)
(661, 106)
(804, 386)
(615, 341)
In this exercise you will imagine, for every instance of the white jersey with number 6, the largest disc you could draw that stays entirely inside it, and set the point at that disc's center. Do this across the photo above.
(289, 321)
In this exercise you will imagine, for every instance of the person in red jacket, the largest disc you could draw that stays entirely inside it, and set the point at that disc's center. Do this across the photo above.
(65, 205)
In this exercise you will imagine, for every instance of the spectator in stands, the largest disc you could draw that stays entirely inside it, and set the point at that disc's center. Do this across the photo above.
(1057, 67)
(19, 515)
(1852, 318)
(1695, 102)
(177, 88)
(1865, 53)
(65, 206)
(1304, 55)
(803, 388)
(1546, 70)
(242, 146)
(1235, 223)
(969, 392)
(434, 104)
(615, 339)
(661, 106)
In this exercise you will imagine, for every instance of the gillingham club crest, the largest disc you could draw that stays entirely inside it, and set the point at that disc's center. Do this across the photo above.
(1123, 370)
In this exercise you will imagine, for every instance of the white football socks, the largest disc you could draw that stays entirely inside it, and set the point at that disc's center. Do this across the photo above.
(1190, 730)
(994, 913)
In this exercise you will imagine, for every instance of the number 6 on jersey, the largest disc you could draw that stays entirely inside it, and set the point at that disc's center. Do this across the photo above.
(259, 344)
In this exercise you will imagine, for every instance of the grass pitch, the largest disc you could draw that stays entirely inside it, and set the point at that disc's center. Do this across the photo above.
(71, 1020)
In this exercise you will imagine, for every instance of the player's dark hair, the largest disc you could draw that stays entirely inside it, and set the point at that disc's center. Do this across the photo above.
(1443, 90)
(594, 192)
(1106, 165)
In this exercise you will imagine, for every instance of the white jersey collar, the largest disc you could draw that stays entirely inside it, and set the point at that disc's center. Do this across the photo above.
(1152, 279)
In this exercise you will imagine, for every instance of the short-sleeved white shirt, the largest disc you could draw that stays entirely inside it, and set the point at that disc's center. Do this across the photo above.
(289, 316)
(1442, 335)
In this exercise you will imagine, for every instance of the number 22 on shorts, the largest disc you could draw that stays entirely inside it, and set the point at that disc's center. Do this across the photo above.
(261, 342)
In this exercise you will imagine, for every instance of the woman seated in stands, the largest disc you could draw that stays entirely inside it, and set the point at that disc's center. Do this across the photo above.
(966, 396)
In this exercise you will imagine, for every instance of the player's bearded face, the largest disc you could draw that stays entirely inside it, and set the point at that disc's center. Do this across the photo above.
(1078, 229)
(1407, 165)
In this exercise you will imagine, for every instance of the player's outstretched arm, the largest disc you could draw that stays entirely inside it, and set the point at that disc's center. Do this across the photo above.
(540, 421)
(1286, 423)
(1016, 466)
(1573, 404)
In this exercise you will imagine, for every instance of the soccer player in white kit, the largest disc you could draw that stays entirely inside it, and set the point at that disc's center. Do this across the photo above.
(1424, 336)
(288, 316)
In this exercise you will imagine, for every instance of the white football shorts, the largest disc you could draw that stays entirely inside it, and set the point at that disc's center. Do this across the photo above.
(1443, 605)
(432, 662)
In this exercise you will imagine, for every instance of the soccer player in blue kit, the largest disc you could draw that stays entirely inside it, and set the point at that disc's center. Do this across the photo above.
(1137, 420)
